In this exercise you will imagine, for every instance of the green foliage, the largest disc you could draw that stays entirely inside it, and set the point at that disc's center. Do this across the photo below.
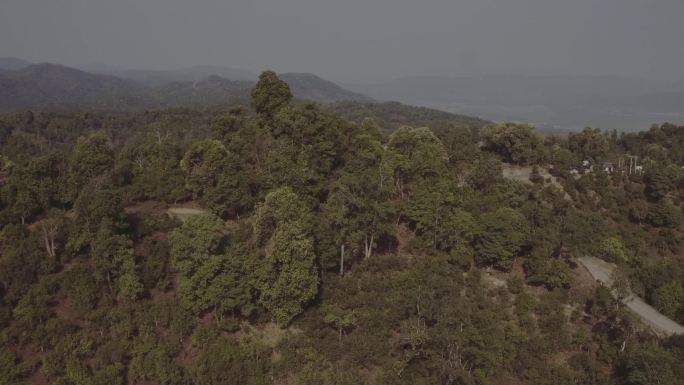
(11, 372)
(81, 287)
(115, 262)
(96, 204)
(658, 183)
(210, 277)
(664, 214)
(33, 186)
(130, 295)
(325, 374)
(200, 236)
(341, 319)
(485, 173)
(224, 360)
(91, 158)
(650, 365)
(613, 250)
(156, 263)
(669, 299)
(289, 277)
(270, 94)
(33, 309)
(213, 175)
(152, 360)
(503, 235)
(551, 272)
(152, 167)
(588, 144)
(516, 143)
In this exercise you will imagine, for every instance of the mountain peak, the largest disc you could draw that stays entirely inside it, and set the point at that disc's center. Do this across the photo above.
(310, 86)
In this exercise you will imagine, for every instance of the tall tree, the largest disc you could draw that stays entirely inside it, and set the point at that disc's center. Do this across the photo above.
(357, 207)
(289, 276)
(115, 261)
(516, 143)
(503, 234)
(213, 175)
(210, 277)
(590, 144)
(270, 94)
(92, 157)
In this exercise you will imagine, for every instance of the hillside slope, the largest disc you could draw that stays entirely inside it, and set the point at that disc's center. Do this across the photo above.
(392, 115)
(51, 86)
(311, 87)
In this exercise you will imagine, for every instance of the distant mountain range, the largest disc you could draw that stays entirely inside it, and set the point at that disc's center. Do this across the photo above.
(154, 78)
(50, 86)
(53, 87)
(552, 103)
(12, 63)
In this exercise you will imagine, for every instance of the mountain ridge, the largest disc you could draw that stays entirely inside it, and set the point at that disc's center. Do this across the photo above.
(54, 86)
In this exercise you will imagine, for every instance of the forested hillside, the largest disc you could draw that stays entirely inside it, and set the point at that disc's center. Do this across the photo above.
(281, 242)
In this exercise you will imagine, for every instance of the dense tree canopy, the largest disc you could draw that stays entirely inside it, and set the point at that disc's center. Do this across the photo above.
(279, 242)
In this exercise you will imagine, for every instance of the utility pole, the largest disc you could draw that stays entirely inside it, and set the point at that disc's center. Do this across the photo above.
(633, 160)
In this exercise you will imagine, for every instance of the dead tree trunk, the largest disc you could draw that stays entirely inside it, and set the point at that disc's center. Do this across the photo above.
(342, 259)
(49, 230)
(368, 247)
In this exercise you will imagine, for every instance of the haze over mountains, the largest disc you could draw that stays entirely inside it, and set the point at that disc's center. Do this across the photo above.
(155, 78)
(548, 102)
(50, 86)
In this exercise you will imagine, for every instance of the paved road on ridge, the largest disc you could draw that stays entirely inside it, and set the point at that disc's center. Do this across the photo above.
(602, 271)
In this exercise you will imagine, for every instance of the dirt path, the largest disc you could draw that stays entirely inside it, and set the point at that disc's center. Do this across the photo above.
(183, 213)
(523, 174)
(602, 271)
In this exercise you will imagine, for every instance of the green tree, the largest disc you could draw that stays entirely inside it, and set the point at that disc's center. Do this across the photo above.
(504, 233)
(665, 214)
(32, 185)
(152, 167)
(650, 365)
(96, 203)
(153, 360)
(81, 287)
(613, 250)
(115, 262)
(358, 202)
(340, 319)
(213, 174)
(669, 299)
(224, 360)
(417, 164)
(551, 272)
(484, 173)
(270, 94)
(289, 277)
(516, 143)
(209, 276)
(658, 183)
(11, 371)
(92, 157)
(589, 144)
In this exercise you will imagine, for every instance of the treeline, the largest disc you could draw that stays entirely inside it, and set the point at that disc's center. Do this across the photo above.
(367, 246)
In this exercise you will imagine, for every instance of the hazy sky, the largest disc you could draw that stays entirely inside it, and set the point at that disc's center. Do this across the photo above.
(355, 40)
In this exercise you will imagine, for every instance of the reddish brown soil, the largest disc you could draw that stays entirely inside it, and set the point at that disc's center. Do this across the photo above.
(404, 237)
